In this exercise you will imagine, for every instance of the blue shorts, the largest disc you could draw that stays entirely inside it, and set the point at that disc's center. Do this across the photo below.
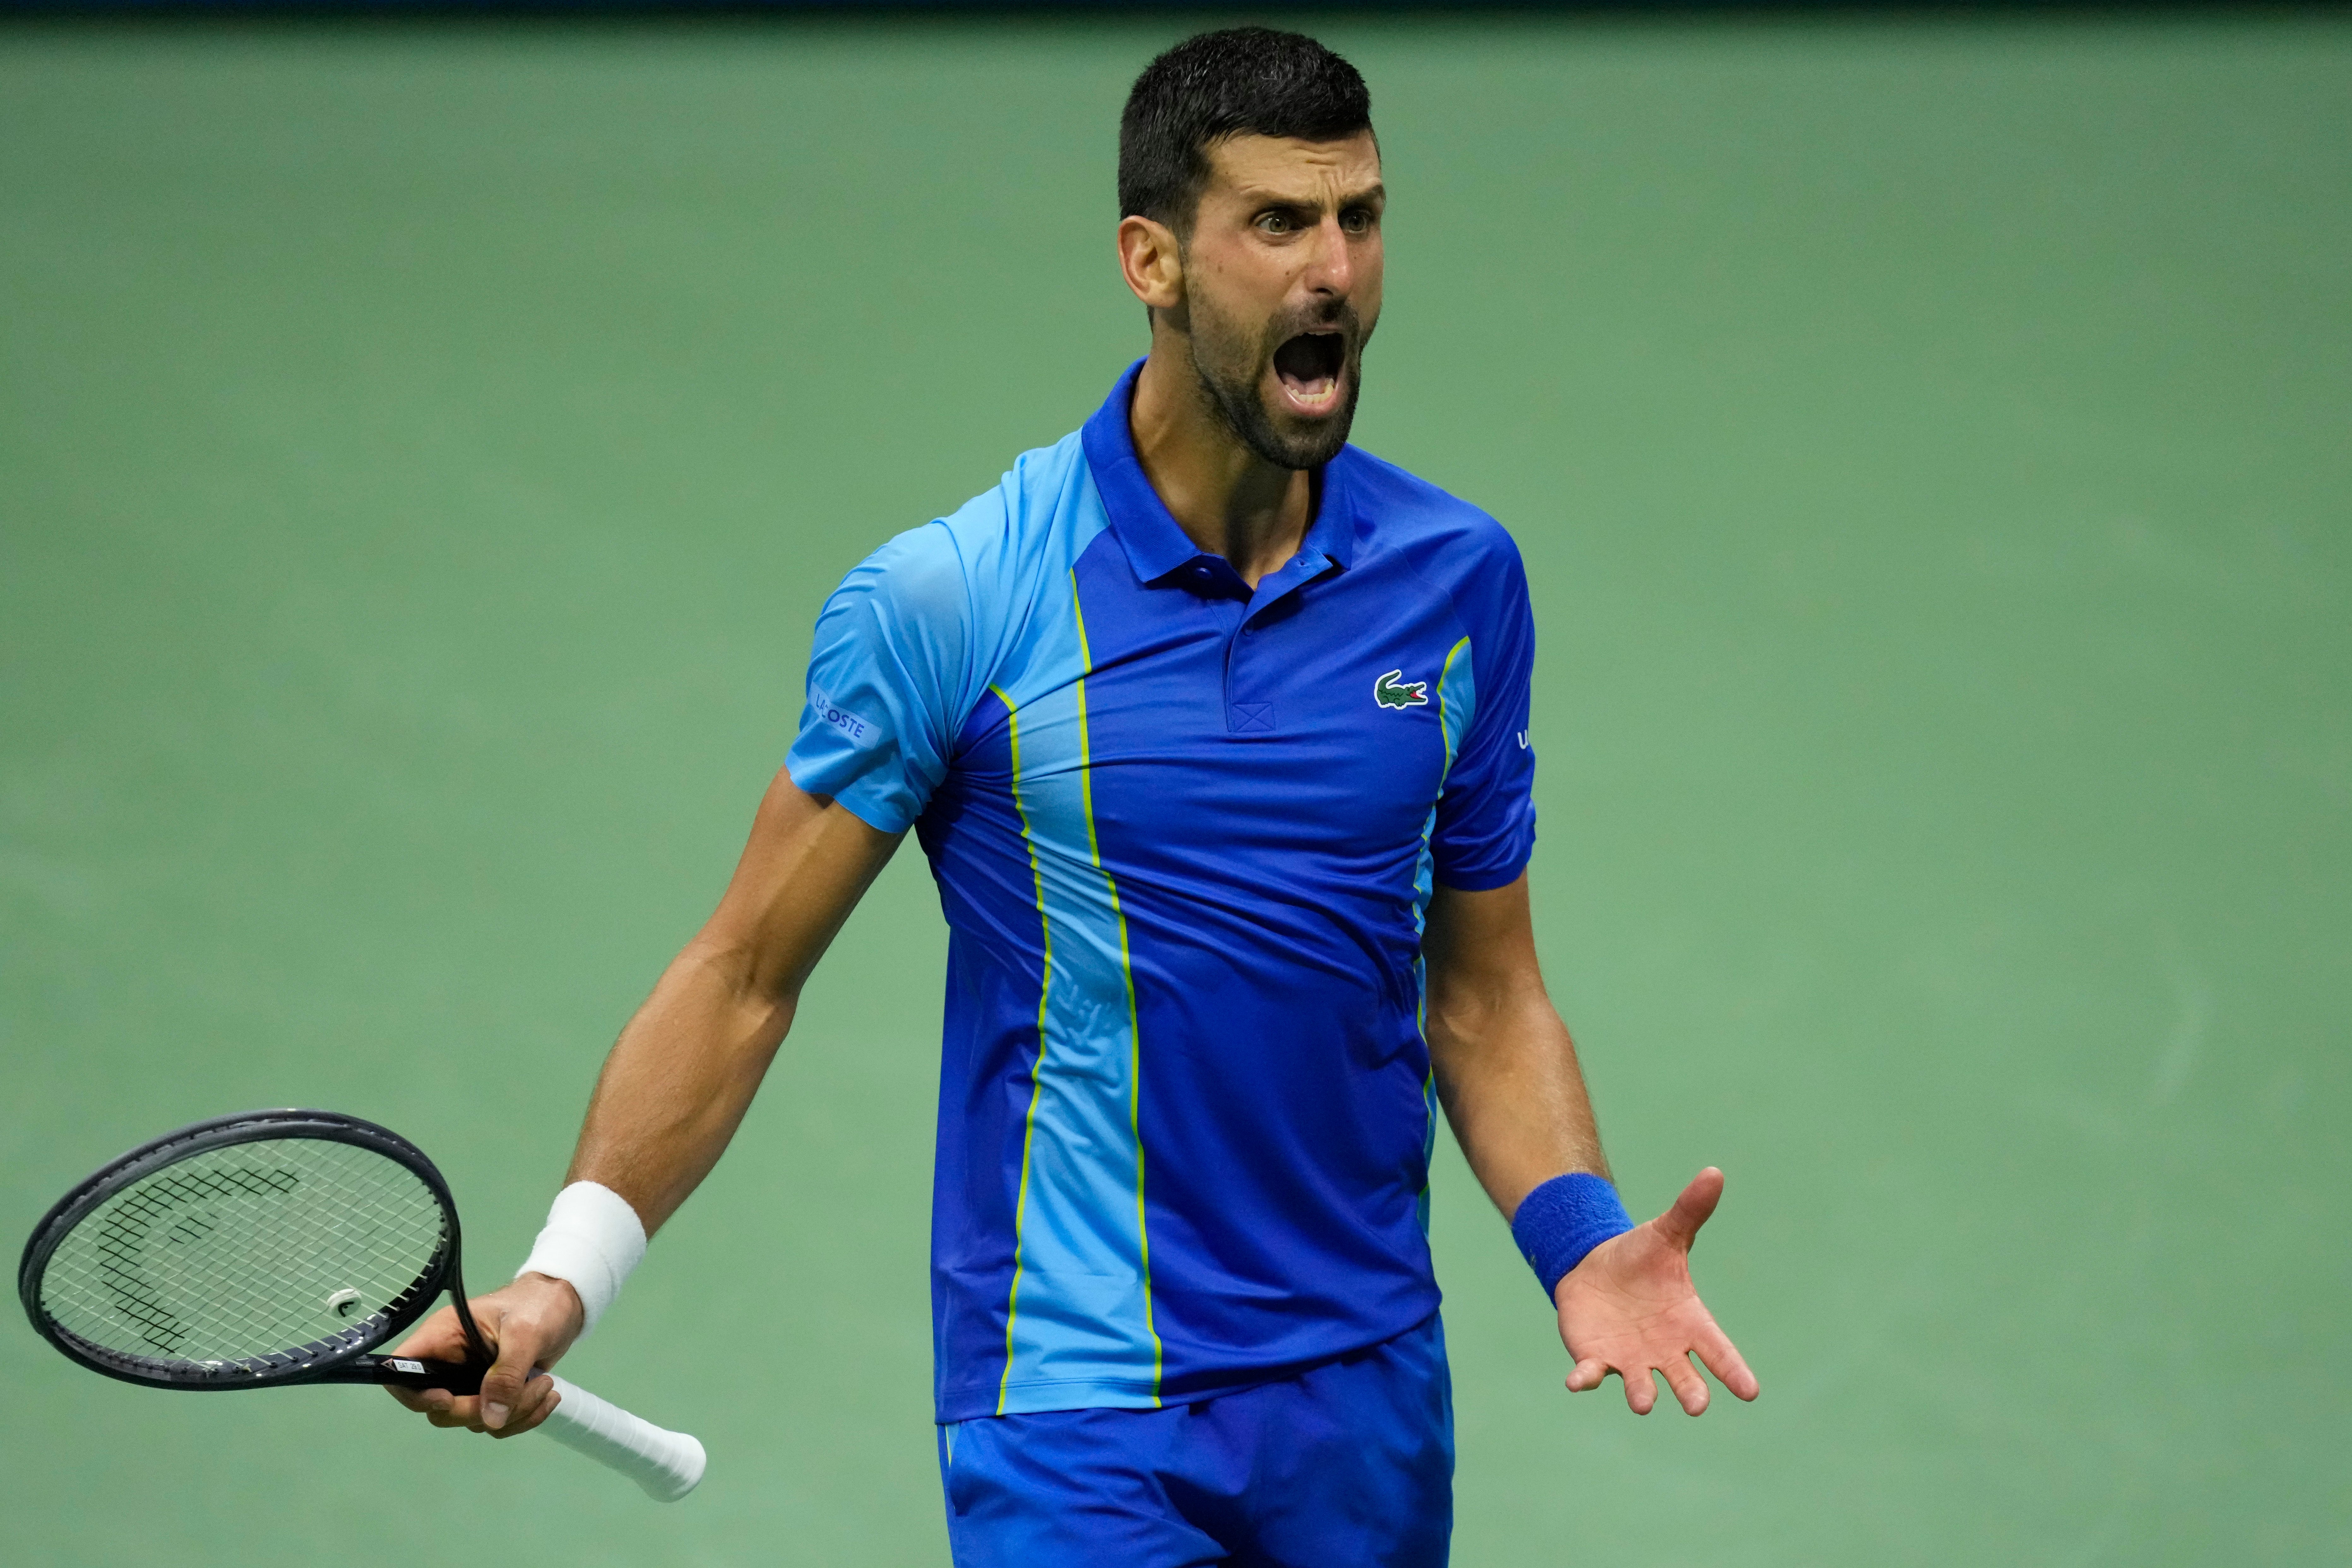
(1351, 1462)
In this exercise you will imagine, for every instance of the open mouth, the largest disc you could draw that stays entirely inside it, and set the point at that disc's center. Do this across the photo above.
(1309, 365)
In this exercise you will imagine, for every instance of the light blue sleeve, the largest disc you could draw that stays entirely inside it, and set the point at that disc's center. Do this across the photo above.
(886, 681)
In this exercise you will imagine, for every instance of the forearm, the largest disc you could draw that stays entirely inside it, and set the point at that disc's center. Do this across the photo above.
(1512, 1088)
(674, 1089)
(1505, 1069)
(1508, 1076)
(677, 1081)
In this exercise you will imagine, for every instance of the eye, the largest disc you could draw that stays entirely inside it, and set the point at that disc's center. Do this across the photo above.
(1275, 222)
(1357, 220)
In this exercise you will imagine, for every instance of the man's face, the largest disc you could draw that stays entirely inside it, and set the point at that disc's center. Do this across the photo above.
(1282, 289)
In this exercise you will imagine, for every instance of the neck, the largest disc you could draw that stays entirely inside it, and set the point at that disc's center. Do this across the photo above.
(1227, 500)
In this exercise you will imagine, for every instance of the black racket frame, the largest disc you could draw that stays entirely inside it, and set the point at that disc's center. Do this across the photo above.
(340, 1358)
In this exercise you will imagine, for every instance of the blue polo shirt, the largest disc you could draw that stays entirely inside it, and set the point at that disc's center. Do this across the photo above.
(1185, 834)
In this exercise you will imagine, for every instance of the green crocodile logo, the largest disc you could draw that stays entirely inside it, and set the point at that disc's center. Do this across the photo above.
(1389, 691)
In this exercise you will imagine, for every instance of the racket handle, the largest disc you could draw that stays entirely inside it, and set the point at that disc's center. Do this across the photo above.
(668, 1465)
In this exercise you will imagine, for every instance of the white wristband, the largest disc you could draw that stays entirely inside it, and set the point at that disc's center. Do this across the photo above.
(593, 1239)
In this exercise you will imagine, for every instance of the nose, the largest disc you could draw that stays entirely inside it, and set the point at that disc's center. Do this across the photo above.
(1331, 262)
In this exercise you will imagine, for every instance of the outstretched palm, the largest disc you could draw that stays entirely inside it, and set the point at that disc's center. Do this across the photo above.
(1630, 1307)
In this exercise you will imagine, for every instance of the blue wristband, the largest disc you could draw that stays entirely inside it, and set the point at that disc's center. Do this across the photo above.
(1565, 1218)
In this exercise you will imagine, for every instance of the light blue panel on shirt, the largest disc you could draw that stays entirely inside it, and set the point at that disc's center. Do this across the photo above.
(1078, 1326)
(981, 607)
(921, 631)
(1457, 698)
(1457, 703)
(887, 676)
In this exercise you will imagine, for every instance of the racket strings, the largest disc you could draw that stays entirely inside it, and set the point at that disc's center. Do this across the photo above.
(173, 1196)
(247, 1251)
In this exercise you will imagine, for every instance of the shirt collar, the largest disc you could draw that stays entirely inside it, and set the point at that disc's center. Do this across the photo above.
(1155, 545)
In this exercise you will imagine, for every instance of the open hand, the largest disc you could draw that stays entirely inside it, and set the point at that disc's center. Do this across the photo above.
(530, 1323)
(1630, 1306)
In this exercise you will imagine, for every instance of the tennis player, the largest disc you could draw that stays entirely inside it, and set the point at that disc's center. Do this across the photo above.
(1215, 730)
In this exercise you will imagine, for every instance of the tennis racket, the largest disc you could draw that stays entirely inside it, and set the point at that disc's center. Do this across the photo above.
(283, 1247)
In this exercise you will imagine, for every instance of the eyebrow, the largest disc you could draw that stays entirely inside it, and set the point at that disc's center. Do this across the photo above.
(1264, 198)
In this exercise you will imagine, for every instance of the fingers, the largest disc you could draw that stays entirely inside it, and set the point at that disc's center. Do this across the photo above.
(1690, 1389)
(1730, 1368)
(534, 1405)
(1640, 1391)
(539, 1402)
(529, 1324)
(437, 1338)
(1587, 1376)
(504, 1393)
(1679, 1225)
(446, 1409)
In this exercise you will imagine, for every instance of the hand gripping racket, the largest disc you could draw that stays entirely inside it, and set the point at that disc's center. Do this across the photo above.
(282, 1247)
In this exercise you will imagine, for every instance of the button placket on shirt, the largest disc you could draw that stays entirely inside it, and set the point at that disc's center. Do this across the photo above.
(1262, 718)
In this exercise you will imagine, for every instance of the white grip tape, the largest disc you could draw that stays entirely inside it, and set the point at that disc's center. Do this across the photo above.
(668, 1465)
(593, 1239)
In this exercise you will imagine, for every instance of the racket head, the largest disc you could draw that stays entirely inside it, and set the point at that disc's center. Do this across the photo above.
(266, 1248)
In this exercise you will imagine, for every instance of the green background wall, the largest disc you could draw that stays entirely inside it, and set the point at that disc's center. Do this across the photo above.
(422, 456)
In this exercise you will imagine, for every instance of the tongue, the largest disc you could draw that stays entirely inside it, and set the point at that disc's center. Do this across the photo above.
(1307, 362)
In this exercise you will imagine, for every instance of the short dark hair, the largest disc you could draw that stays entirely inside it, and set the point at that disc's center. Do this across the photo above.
(1237, 81)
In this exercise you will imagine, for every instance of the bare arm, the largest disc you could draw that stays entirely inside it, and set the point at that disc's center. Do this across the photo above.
(1507, 1071)
(677, 1083)
(1508, 1077)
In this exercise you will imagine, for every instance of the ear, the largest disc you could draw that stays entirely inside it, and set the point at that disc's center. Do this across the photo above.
(1151, 262)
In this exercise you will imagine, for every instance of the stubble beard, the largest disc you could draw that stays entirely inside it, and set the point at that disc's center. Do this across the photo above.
(1231, 367)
